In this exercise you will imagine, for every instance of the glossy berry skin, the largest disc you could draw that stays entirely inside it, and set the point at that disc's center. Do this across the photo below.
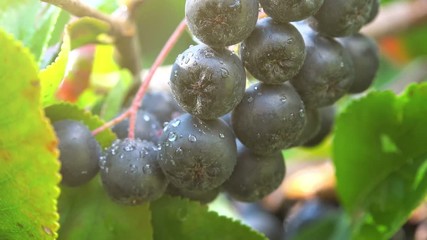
(374, 11)
(220, 23)
(203, 197)
(130, 172)
(197, 155)
(146, 127)
(364, 54)
(327, 73)
(327, 118)
(255, 176)
(79, 152)
(269, 118)
(258, 218)
(290, 10)
(274, 52)
(162, 105)
(339, 18)
(207, 82)
(312, 125)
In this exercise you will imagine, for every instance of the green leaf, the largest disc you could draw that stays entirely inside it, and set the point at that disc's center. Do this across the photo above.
(176, 218)
(167, 14)
(380, 158)
(28, 154)
(115, 98)
(88, 30)
(63, 18)
(29, 22)
(52, 75)
(83, 31)
(332, 227)
(87, 213)
(414, 40)
(63, 111)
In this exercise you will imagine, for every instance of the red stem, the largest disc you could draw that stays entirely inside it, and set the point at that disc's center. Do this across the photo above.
(136, 103)
(111, 123)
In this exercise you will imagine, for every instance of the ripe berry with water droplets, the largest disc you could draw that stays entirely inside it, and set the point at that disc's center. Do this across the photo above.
(274, 52)
(79, 152)
(162, 105)
(207, 82)
(290, 11)
(255, 176)
(269, 118)
(197, 155)
(130, 172)
(146, 127)
(220, 23)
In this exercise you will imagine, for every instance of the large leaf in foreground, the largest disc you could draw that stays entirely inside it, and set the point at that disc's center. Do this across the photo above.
(88, 213)
(28, 154)
(380, 157)
(176, 218)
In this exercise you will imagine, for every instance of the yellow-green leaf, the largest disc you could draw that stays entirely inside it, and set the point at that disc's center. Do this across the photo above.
(87, 213)
(177, 218)
(28, 150)
(83, 31)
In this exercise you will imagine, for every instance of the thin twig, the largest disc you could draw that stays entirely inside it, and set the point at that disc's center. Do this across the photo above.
(122, 28)
(136, 103)
(111, 123)
(80, 9)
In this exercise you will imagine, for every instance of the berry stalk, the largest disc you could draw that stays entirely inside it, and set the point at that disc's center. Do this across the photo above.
(136, 103)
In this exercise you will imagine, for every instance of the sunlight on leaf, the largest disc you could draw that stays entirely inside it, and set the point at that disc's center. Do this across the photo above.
(29, 169)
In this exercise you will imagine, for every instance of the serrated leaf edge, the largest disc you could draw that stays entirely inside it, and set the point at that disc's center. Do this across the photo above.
(56, 189)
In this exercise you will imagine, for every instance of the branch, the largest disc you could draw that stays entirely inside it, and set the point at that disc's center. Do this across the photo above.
(80, 9)
(122, 28)
(397, 17)
(136, 103)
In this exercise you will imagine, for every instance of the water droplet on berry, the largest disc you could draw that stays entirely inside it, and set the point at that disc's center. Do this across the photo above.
(221, 135)
(192, 138)
(129, 147)
(179, 152)
(176, 123)
(146, 118)
(147, 169)
(187, 60)
(224, 73)
(133, 168)
(301, 113)
(283, 99)
(172, 136)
